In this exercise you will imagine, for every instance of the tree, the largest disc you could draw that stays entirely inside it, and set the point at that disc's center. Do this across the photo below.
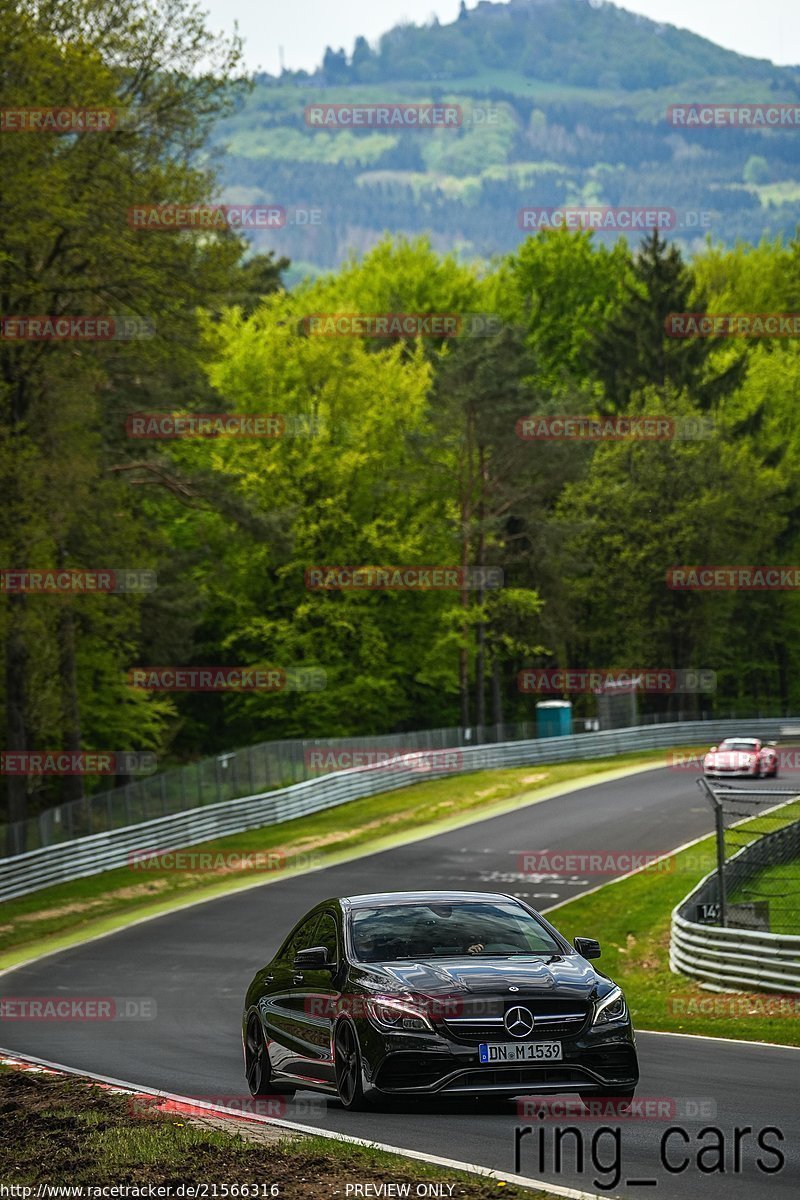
(165, 79)
(334, 66)
(633, 350)
(481, 393)
(364, 63)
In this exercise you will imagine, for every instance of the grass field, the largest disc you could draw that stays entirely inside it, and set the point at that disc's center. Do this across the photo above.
(781, 886)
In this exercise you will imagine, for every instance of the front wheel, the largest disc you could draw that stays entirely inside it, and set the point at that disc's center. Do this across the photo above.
(348, 1067)
(256, 1062)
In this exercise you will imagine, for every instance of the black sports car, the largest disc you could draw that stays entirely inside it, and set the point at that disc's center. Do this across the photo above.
(455, 993)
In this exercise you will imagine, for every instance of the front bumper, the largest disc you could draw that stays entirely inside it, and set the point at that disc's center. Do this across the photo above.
(732, 772)
(433, 1063)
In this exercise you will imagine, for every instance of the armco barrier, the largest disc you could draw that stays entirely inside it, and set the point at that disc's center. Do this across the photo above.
(737, 958)
(101, 851)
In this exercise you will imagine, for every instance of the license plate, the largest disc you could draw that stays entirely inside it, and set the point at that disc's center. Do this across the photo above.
(514, 1052)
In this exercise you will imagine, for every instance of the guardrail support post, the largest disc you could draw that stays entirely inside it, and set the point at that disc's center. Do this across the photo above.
(723, 899)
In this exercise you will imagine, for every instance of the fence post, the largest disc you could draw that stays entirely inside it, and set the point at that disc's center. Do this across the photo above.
(723, 900)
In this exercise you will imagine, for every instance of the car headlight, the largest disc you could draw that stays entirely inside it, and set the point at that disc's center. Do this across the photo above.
(387, 1012)
(611, 1008)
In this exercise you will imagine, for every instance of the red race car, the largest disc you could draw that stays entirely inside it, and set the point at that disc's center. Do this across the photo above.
(742, 756)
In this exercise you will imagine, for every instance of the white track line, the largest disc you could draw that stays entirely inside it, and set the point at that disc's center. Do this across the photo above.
(710, 1037)
(10, 1056)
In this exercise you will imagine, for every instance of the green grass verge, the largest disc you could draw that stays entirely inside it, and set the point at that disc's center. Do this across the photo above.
(778, 883)
(632, 918)
(66, 913)
(69, 1132)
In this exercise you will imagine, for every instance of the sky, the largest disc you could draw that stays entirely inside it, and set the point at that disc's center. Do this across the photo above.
(301, 29)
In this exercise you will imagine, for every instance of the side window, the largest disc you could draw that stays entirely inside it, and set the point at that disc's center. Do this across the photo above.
(325, 935)
(299, 940)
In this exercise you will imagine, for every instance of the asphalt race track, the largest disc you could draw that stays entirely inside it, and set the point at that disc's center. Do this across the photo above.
(196, 964)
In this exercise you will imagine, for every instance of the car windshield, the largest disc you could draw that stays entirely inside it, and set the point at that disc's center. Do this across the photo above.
(734, 745)
(427, 930)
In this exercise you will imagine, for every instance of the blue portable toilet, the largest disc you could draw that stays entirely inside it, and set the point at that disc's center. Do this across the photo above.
(553, 718)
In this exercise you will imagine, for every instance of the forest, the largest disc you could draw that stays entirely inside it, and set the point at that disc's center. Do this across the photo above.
(358, 450)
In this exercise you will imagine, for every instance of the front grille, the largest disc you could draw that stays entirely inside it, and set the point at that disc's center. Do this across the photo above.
(480, 1020)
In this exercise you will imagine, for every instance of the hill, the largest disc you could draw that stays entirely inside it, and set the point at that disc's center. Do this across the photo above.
(564, 102)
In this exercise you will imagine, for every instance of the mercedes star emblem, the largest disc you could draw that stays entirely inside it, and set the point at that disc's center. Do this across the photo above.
(519, 1021)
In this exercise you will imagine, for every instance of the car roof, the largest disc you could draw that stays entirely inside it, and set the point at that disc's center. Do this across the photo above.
(385, 899)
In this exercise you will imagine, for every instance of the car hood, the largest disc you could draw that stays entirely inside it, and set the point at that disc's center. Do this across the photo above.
(731, 757)
(564, 975)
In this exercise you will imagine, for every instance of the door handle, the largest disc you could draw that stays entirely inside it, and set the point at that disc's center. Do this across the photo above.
(298, 978)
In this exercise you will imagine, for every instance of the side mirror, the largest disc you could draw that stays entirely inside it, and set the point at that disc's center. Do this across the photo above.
(315, 958)
(587, 947)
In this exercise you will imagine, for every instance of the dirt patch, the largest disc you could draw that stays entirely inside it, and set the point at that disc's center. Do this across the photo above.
(535, 778)
(66, 910)
(65, 1131)
(135, 892)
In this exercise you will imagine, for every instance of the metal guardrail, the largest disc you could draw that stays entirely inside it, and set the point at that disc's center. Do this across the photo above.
(98, 852)
(264, 767)
(737, 958)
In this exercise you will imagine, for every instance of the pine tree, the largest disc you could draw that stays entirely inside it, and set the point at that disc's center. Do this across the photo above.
(633, 350)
